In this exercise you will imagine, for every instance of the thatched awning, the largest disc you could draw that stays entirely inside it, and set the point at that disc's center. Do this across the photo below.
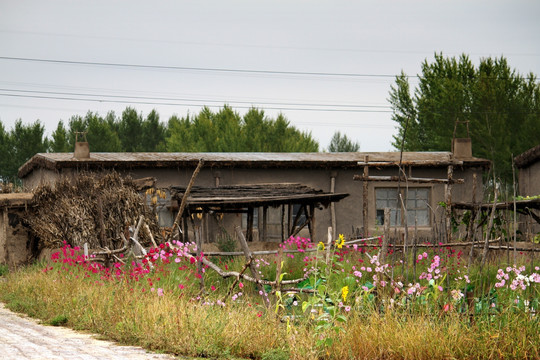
(244, 196)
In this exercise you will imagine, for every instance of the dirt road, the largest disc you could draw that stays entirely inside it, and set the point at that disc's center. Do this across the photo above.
(24, 338)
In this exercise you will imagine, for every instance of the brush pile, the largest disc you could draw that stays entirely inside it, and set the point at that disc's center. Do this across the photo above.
(90, 208)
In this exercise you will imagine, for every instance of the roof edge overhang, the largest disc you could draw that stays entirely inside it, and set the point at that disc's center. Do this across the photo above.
(528, 157)
(313, 160)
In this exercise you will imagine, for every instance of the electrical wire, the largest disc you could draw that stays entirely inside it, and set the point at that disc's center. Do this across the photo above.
(225, 70)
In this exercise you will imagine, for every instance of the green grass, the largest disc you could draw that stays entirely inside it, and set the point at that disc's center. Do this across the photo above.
(3, 269)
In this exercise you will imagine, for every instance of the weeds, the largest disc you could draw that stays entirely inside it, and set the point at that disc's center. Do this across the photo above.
(361, 307)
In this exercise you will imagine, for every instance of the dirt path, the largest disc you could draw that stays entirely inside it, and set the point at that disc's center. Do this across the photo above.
(24, 338)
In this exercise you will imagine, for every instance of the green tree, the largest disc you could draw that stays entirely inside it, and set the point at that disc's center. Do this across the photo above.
(493, 104)
(341, 143)
(19, 145)
(59, 141)
(99, 134)
(4, 153)
(130, 130)
(227, 131)
(153, 131)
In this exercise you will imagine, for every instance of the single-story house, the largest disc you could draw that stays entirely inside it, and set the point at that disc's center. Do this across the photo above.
(528, 165)
(357, 214)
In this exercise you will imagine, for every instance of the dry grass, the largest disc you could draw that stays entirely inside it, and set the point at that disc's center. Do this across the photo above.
(181, 326)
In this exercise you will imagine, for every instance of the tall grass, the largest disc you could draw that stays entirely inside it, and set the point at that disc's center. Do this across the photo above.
(163, 310)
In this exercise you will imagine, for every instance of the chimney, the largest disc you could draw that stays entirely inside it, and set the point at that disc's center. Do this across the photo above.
(462, 148)
(82, 151)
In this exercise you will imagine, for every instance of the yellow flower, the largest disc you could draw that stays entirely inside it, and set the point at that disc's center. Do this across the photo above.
(320, 246)
(340, 242)
(344, 293)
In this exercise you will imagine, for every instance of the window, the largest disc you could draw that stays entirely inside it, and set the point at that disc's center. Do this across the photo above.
(416, 200)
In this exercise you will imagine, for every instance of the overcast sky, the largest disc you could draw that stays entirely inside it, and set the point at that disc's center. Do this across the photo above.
(326, 65)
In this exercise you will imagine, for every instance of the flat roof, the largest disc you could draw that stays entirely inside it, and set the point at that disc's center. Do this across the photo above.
(254, 195)
(56, 161)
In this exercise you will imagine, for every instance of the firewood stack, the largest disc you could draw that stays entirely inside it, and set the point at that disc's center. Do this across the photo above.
(93, 209)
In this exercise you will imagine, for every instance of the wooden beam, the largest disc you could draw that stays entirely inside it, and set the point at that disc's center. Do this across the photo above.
(365, 190)
(408, 179)
(411, 162)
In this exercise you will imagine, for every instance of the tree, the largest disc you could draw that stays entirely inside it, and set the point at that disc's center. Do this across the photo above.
(4, 153)
(59, 142)
(493, 104)
(99, 133)
(19, 145)
(153, 131)
(227, 131)
(341, 143)
(130, 130)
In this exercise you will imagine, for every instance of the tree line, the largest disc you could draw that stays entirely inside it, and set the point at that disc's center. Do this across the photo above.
(208, 131)
(491, 103)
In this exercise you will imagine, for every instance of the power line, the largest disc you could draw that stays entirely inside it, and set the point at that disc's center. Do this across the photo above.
(225, 70)
(189, 104)
(196, 100)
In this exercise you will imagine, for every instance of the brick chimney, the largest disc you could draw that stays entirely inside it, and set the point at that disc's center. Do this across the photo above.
(82, 151)
(462, 148)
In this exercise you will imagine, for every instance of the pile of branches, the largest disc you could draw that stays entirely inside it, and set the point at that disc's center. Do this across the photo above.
(89, 208)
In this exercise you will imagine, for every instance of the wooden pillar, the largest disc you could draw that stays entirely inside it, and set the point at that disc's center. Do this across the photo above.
(289, 220)
(283, 238)
(4, 252)
(252, 268)
(198, 241)
(448, 201)
(264, 232)
(386, 238)
(249, 230)
(333, 176)
(365, 185)
(312, 231)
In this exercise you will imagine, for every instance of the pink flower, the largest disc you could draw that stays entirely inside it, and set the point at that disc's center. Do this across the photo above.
(160, 292)
(347, 308)
(241, 285)
(181, 286)
(213, 288)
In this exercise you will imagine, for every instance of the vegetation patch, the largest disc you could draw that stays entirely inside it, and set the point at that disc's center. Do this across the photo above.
(349, 305)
